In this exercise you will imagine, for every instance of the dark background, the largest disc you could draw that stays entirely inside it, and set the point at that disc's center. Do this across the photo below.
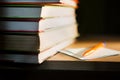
(98, 17)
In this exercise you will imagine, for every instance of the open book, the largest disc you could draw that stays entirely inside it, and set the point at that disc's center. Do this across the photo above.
(101, 52)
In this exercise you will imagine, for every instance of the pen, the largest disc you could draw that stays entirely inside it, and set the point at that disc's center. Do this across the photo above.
(94, 48)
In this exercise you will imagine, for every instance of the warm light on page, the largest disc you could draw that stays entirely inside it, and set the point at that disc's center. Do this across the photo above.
(91, 50)
(71, 2)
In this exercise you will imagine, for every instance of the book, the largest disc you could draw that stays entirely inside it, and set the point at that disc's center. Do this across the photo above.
(99, 53)
(35, 11)
(64, 2)
(16, 57)
(36, 42)
(33, 25)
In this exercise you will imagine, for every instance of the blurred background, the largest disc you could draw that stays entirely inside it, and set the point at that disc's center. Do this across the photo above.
(98, 17)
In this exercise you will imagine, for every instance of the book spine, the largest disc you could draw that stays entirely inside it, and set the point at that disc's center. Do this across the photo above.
(19, 24)
(20, 11)
(22, 43)
(24, 1)
(19, 58)
(29, 1)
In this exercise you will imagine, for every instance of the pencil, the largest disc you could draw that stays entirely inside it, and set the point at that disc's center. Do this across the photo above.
(94, 48)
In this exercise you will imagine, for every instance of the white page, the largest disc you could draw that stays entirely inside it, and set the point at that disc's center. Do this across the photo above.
(101, 52)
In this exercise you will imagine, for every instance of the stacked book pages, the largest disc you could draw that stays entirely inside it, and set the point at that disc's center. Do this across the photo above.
(34, 30)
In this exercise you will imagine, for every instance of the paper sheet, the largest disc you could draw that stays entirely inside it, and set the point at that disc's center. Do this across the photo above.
(101, 52)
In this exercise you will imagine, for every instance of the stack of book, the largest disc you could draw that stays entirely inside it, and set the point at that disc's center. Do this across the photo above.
(34, 30)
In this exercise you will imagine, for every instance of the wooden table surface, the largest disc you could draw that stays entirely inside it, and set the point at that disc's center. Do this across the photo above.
(112, 42)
